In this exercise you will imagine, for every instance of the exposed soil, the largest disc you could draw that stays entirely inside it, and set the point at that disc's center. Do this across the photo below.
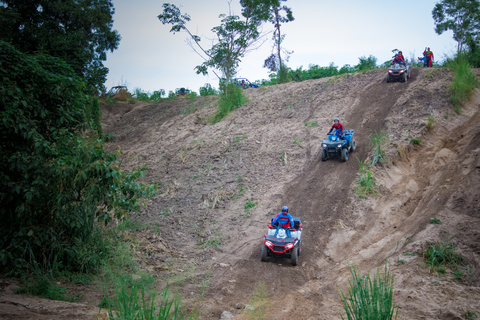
(267, 152)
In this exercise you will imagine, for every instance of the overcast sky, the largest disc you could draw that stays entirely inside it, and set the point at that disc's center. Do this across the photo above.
(339, 31)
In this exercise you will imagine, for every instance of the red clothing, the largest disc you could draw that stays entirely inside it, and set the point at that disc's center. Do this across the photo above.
(398, 59)
(336, 127)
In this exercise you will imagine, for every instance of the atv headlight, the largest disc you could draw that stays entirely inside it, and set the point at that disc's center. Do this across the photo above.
(339, 145)
(289, 246)
(268, 244)
(402, 71)
(390, 71)
(324, 145)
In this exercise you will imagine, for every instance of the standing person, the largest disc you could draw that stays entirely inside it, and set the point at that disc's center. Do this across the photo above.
(285, 221)
(428, 57)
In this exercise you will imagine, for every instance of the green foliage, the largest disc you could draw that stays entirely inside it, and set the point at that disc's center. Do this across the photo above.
(461, 17)
(366, 63)
(56, 182)
(232, 39)
(416, 140)
(78, 32)
(43, 286)
(442, 254)
(310, 124)
(463, 83)
(469, 314)
(215, 242)
(141, 95)
(366, 182)
(378, 142)
(434, 220)
(259, 303)
(207, 90)
(372, 300)
(250, 205)
(229, 101)
(430, 121)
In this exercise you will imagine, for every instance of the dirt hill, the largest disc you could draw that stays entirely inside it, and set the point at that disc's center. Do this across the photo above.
(267, 153)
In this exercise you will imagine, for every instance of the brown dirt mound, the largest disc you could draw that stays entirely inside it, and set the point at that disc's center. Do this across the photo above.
(267, 152)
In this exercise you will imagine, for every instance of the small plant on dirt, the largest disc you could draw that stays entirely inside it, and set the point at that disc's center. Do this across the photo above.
(310, 124)
(207, 90)
(258, 303)
(442, 254)
(469, 314)
(239, 179)
(430, 121)
(416, 141)
(108, 137)
(283, 157)
(370, 299)
(230, 99)
(299, 140)
(215, 242)
(44, 286)
(366, 181)
(378, 142)
(197, 175)
(457, 275)
(446, 115)
(434, 220)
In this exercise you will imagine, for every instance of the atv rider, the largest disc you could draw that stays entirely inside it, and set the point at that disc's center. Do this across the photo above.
(285, 221)
(398, 59)
(337, 126)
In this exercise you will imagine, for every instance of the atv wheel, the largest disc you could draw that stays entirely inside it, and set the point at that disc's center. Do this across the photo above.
(354, 144)
(388, 78)
(300, 248)
(404, 77)
(263, 256)
(344, 156)
(295, 256)
(324, 155)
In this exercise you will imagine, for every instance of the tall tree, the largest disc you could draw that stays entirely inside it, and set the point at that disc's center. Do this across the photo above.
(234, 38)
(277, 14)
(77, 31)
(460, 16)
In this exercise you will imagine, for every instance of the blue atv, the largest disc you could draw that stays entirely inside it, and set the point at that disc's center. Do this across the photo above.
(338, 145)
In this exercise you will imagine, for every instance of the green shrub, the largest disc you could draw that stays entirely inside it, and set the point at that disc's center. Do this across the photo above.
(416, 141)
(141, 95)
(434, 220)
(463, 82)
(230, 99)
(157, 95)
(370, 299)
(207, 90)
(442, 254)
(430, 121)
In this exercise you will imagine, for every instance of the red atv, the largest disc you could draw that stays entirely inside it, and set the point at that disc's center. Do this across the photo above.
(280, 246)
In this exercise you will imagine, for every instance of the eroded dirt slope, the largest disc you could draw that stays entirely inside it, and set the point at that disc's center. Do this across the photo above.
(267, 152)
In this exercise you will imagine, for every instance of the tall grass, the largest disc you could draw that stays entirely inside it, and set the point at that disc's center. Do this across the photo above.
(231, 98)
(366, 181)
(378, 142)
(463, 83)
(370, 299)
(442, 254)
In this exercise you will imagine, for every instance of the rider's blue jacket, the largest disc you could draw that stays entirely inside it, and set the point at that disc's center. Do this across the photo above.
(284, 221)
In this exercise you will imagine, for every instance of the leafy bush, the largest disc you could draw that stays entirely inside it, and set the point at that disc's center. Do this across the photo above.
(56, 181)
(372, 300)
(157, 95)
(416, 140)
(207, 90)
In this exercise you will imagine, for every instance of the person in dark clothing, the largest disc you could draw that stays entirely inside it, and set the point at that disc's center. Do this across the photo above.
(285, 221)
(337, 126)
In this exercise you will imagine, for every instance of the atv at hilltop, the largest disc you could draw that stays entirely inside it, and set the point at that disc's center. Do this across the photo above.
(398, 72)
(338, 146)
(280, 246)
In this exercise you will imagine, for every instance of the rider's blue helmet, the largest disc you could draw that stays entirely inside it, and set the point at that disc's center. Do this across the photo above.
(335, 119)
(285, 208)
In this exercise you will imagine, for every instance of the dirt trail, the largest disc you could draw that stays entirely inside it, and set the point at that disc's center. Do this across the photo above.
(267, 152)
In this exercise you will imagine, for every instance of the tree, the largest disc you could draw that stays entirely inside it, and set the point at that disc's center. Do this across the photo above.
(460, 16)
(271, 11)
(56, 181)
(77, 31)
(234, 38)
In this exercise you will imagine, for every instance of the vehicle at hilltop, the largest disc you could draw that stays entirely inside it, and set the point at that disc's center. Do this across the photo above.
(338, 146)
(244, 83)
(398, 72)
(180, 92)
(280, 246)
